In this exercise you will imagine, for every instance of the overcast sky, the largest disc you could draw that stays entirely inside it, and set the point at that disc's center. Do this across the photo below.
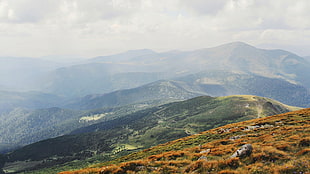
(91, 28)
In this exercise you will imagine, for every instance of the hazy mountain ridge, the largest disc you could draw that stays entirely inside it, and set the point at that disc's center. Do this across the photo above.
(149, 127)
(227, 83)
(99, 75)
(31, 100)
(213, 83)
(127, 56)
(139, 67)
(23, 73)
(81, 80)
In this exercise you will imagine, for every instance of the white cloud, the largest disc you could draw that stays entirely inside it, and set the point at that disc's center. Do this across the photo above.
(24, 11)
(98, 27)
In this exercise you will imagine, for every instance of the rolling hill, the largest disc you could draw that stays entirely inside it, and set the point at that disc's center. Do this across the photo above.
(222, 83)
(279, 144)
(212, 83)
(143, 129)
(161, 91)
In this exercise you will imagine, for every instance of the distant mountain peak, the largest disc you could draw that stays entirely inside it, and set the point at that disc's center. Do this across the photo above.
(237, 44)
(229, 48)
(141, 51)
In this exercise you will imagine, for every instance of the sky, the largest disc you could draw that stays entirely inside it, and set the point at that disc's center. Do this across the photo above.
(89, 28)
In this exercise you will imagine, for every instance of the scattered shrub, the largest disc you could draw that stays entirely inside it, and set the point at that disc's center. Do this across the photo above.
(110, 169)
(132, 165)
(305, 142)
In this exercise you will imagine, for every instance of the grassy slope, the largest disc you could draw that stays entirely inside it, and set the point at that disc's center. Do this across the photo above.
(280, 145)
(153, 126)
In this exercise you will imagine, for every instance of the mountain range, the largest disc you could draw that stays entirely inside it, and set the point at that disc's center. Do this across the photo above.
(134, 68)
(117, 104)
(105, 74)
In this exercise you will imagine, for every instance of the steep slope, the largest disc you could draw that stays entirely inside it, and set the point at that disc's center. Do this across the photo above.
(280, 144)
(144, 128)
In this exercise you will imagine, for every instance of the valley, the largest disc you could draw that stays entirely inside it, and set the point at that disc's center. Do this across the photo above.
(142, 129)
(73, 115)
(154, 87)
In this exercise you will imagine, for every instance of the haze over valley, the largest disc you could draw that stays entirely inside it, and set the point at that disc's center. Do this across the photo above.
(154, 87)
(65, 98)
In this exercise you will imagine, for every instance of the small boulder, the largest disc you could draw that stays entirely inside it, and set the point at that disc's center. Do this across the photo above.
(243, 151)
(206, 151)
(203, 158)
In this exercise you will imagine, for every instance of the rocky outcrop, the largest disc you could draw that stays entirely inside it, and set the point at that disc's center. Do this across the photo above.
(243, 151)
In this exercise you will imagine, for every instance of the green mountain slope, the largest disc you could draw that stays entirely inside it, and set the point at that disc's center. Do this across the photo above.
(161, 91)
(20, 127)
(279, 144)
(145, 128)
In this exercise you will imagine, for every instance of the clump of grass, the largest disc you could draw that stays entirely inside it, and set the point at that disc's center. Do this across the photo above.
(303, 152)
(228, 172)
